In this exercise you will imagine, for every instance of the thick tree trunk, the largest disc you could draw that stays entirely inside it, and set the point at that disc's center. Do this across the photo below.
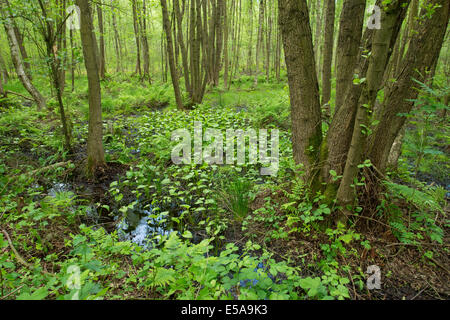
(95, 152)
(304, 90)
(349, 40)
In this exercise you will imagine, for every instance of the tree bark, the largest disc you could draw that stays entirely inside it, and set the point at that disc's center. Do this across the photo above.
(95, 152)
(17, 59)
(377, 64)
(302, 79)
(173, 71)
(102, 70)
(422, 53)
(350, 32)
(328, 54)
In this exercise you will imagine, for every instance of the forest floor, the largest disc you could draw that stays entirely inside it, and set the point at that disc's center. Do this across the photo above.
(225, 230)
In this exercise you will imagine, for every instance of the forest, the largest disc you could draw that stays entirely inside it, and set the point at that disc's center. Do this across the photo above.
(224, 150)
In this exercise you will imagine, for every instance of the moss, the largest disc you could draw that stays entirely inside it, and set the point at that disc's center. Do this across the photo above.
(330, 193)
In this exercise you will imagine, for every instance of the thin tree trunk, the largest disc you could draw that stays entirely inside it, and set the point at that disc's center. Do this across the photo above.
(145, 47)
(136, 35)
(17, 59)
(184, 54)
(116, 41)
(260, 39)
(250, 43)
(102, 41)
(173, 71)
(328, 54)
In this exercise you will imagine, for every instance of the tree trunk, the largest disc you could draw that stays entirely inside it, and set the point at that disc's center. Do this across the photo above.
(349, 40)
(116, 41)
(302, 79)
(260, 38)
(377, 64)
(102, 70)
(184, 54)
(328, 54)
(95, 153)
(422, 53)
(173, 71)
(17, 59)
(136, 35)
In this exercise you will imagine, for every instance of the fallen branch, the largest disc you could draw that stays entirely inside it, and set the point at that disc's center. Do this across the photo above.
(53, 166)
(18, 256)
(15, 290)
(18, 94)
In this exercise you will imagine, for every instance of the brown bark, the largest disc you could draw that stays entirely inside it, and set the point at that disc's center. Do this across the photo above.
(328, 53)
(304, 90)
(422, 53)
(183, 49)
(260, 38)
(377, 65)
(144, 39)
(137, 38)
(95, 152)
(173, 71)
(102, 69)
(350, 31)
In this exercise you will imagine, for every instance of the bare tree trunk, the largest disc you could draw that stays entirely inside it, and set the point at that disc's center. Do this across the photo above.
(377, 64)
(116, 41)
(184, 54)
(137, 37)
(328, 54)
(268, 40)
(225, 46)
(95, 152)
(102, 41)
(350, 31)
(72, 64)
(250, 43)
(302, 78)
(422, 53)
(145, 47)
(318, 35)
(259, 43)
(3, 70)
(17, 59)
(173, 71)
